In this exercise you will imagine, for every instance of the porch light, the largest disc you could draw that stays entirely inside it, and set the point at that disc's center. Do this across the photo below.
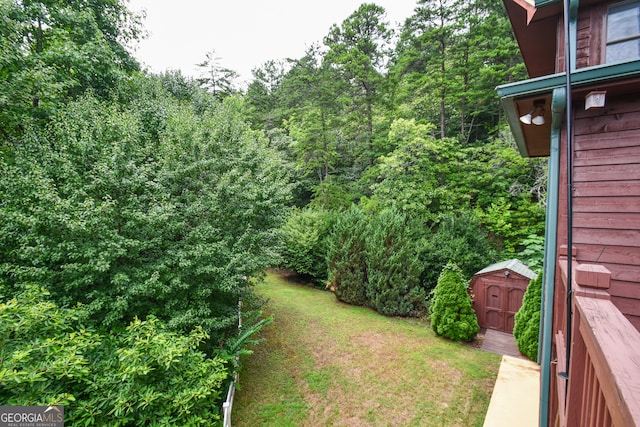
(536, 115)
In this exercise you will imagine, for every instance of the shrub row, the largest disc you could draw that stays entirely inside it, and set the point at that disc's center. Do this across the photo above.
(373, 261)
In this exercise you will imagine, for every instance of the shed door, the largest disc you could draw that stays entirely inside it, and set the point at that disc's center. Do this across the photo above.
(514, 302)
(501, 303)
(494, 307)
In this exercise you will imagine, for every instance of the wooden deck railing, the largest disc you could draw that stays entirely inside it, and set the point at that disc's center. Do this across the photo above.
(604, 368)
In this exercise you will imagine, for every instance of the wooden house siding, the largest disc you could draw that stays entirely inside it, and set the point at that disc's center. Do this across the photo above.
(589, 358)
(606, 196)
(583, 48)
(589, 38)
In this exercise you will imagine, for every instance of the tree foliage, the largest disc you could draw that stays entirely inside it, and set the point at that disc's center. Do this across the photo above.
(393, 266)
(359, 48)
(54, 50)
(216, 78)
(148, 211)
(526, 327)
(460, 237)
(138, 376)
(305, 243)
(346, 258)
(373, 261)
(452, 315)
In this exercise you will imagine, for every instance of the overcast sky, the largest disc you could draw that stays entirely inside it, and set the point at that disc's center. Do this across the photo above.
(244, 33)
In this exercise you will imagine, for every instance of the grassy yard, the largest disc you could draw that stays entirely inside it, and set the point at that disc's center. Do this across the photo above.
(330, 364)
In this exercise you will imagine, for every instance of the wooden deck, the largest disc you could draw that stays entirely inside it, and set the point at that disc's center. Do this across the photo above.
(500, 343)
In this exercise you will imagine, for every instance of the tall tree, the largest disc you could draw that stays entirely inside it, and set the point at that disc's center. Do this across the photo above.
(450, 56)
(359, 48)
(54, 50)
(424, 58)
(146, 208)
(214, 77)
(309, 91)
(265, 109)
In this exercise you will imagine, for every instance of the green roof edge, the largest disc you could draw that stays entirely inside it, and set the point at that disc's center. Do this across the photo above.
(546, 84)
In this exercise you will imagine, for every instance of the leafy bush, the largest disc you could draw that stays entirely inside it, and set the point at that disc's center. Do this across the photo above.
(393, 268)
(149, 210)
(346, 258)
(305, 242)
(44, 350)
(452, 315)
(138, 376)
(533, 253)
(458, 237)
(526, 327)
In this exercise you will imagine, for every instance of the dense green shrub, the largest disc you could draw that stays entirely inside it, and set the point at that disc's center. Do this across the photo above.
(458, 237)
(393, 267)
(152, 210)
(373, 261)
(346, 257)
(452, 315)
(305, 242)
(139, 376)
(526, 328)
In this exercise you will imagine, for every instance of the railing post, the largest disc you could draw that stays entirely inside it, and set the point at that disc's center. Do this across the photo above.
(590, 281)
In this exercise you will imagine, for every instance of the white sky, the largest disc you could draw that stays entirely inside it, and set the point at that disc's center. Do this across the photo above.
(244, 33)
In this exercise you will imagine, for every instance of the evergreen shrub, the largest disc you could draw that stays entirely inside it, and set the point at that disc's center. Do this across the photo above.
(346, 258)
(393, 267)
(526, 328)
(374, 261)
(452, 315)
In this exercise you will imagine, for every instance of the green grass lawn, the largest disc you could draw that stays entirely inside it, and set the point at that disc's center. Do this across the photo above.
(325, 363)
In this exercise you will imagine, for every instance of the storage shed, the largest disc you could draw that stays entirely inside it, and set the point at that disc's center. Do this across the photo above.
(498, 290)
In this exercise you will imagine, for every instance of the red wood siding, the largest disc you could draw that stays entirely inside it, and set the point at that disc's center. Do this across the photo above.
(606, 191)
(589, 38)
(583, 51)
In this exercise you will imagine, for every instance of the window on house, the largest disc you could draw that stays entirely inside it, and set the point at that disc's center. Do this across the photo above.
(623, 32)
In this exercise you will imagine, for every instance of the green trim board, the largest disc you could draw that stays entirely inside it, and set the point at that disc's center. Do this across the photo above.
(580, 77)
(543, 3)
(600, 75)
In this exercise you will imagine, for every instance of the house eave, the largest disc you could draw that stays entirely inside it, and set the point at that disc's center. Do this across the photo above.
(517, 98)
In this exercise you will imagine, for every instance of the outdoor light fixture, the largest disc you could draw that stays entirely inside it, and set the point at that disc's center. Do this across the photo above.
(536, 115)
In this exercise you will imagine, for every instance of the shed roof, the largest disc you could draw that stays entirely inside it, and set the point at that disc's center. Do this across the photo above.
(514, 265)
